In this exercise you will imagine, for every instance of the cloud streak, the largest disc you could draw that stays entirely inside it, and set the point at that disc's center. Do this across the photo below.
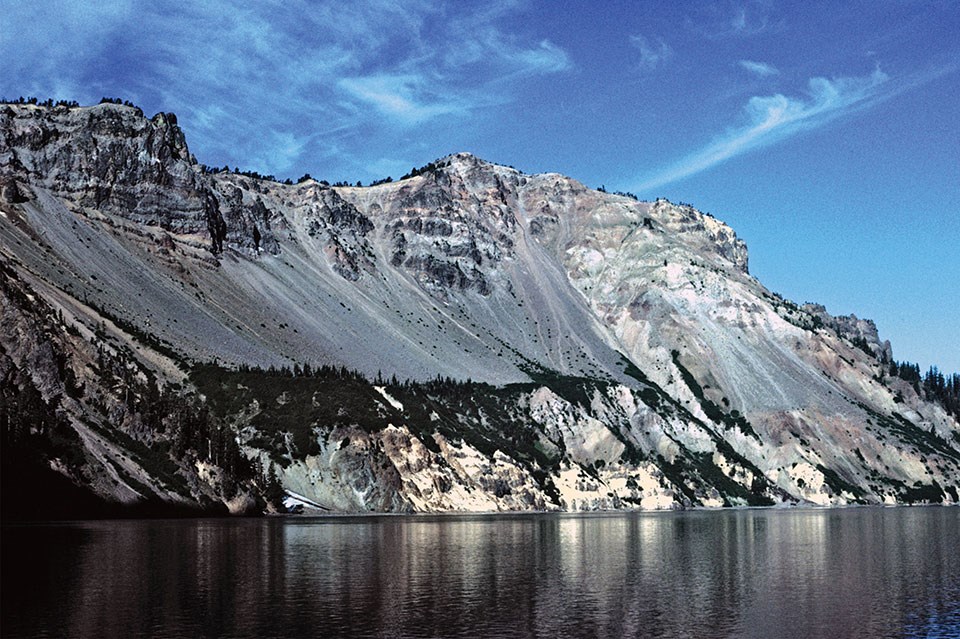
(771, 119)
(275, 83)
(743, 24)
(652, 55)
(403, 98)
(758, 68)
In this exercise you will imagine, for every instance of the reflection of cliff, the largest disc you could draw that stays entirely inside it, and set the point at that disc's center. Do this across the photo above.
(652, 575)
(755, 573)
(147, 578)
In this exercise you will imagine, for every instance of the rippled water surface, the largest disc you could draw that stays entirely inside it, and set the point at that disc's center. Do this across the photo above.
(865, 572)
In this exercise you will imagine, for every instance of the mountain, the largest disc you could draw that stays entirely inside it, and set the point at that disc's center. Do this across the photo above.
(467, 338)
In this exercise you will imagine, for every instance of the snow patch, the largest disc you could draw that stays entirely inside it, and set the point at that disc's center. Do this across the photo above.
(393, 402)
(295, 499)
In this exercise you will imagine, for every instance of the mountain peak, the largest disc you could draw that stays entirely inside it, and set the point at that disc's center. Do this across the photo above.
(465, 160)
(464, 157)
(636, 362)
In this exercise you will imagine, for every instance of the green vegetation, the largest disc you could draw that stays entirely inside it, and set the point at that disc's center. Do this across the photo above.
(126, 103)
(576, 390)
(426, 169)
(294, 404)
(147, 339)
(862, 343)
(923, 493)
(310, 403)
(45, 103)
(933, 385)
(32, 427)
(162, 429)
(927, 442)
(839, 485)
(733, 419)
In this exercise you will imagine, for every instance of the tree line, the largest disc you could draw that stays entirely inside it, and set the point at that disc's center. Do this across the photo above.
(207, 170)
(932, 385)
(157, 424)
(49, 103)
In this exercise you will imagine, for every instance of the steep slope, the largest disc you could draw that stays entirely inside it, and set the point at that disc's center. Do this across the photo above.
(87, 430)
(633, 359)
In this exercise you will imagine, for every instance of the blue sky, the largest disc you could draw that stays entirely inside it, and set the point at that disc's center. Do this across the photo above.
(827, 134)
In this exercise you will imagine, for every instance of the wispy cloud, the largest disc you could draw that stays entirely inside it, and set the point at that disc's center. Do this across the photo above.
(407, 98)
(277, 82)
(770, 119)
(743, 23)
(759, 68)
(545, 57)
(652, 54)
(738, 19)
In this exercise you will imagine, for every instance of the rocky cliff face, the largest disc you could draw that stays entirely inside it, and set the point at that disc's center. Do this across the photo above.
(634, 360)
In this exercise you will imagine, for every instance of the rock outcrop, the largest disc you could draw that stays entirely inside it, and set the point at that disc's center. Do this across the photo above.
(634, 361)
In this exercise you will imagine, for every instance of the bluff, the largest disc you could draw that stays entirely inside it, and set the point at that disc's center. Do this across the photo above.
(469, 338)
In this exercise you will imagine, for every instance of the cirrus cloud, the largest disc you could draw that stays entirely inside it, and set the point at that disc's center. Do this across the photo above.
(277, 82)
(652, 54)
(770, 119)
(759, 68)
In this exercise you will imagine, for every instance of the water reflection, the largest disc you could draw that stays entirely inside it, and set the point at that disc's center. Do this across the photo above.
(759, 573)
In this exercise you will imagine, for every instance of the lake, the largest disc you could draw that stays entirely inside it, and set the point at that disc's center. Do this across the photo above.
(856, 572)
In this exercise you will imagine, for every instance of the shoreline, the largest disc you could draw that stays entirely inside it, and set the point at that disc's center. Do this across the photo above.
(176, 513)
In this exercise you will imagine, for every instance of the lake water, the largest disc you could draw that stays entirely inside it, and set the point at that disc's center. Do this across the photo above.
(859, 572)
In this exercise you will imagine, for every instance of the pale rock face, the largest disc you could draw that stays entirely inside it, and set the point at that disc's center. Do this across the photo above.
(853, 328)
(702, 387)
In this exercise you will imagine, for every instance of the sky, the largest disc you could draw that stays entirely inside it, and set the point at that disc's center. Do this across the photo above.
(827, 134)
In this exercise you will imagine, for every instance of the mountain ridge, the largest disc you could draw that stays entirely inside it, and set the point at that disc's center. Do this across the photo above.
(650, 351)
